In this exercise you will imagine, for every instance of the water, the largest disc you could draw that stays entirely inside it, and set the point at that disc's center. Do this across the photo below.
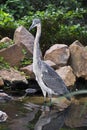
(21, 118)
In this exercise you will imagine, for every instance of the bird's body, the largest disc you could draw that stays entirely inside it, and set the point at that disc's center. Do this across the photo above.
(49, 81)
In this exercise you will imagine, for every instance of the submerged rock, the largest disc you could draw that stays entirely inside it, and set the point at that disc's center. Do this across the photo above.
(30, 90)
(3, 116)
(4, 97)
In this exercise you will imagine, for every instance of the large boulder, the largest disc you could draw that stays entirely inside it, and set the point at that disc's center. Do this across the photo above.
(13, 54)
(66, 73)
(23, 36)
(78, 60)
(58, 53)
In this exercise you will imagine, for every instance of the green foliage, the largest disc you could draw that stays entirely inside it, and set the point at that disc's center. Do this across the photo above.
(17, 8)
(26, 60)
(5, 44)
(62, 21)
(4, 64)
(59, 25)
(6, 20)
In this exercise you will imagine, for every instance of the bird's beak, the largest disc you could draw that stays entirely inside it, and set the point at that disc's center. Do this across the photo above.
(32, 26)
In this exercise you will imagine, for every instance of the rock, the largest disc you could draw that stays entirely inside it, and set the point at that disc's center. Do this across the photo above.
(28, 70)
(50, 63)
(78, 60)
(58, 53)
(3, 116)
(1, 82)
(12, 75)
(12, 55)
(30, 91)
(22, 36)
(5, 39)
(66, 73)
(4, 97)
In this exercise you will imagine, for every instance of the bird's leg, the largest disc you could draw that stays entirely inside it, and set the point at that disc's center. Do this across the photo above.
(45, 99)
(50, 102)
(44, 102)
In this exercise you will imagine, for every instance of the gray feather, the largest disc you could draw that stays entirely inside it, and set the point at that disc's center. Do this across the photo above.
(52, 80)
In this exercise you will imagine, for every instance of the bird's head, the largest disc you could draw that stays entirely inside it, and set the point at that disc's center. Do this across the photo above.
(35, 23)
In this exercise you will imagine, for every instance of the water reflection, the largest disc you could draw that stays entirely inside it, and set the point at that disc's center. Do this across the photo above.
(51, 120)
(27, 115)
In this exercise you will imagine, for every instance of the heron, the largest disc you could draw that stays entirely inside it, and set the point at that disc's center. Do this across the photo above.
(49, 81)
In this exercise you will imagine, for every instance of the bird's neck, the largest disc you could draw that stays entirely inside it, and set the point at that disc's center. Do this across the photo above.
(37, 51)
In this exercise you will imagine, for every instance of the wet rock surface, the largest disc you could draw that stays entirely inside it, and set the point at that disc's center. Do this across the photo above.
(5, 97)
(3, 116)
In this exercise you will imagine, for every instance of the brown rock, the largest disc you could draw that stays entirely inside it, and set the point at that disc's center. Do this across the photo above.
(66, 73)
(22, 36)
(12, 75)
(28, 70)
(50, 63)
(58, 53)
(5, 39)
(1, 82)
(78, 60)
(13, 54)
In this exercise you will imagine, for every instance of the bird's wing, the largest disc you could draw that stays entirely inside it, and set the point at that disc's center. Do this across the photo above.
(52, 80)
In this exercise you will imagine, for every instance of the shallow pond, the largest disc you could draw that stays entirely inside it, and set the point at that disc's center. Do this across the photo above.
(22, 118)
